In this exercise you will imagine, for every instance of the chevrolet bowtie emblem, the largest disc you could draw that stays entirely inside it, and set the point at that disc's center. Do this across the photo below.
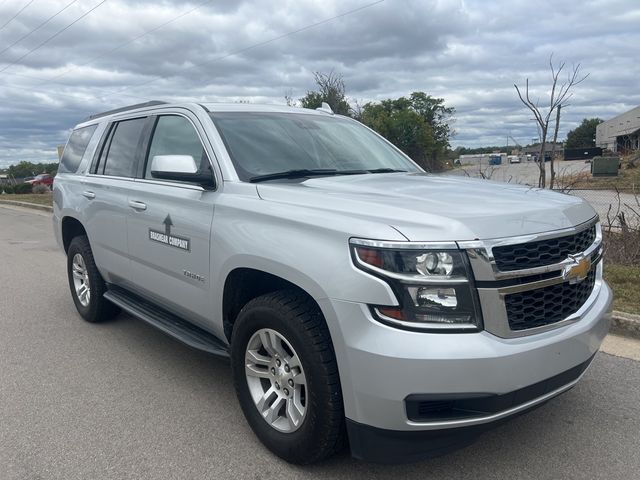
(578, 270)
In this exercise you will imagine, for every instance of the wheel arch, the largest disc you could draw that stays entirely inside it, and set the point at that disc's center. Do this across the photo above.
(71, 227)
(243, 284)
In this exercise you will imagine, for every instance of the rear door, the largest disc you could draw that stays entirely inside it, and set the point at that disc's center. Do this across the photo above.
(170, 223)
(105, 191)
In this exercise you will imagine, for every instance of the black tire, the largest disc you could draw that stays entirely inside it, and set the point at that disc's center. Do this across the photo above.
(297, 318)
(99, 309)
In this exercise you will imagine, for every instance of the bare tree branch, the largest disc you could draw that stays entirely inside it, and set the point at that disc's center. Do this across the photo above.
(559, 96)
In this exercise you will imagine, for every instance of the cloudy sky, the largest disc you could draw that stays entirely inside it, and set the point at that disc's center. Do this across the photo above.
(96, 55)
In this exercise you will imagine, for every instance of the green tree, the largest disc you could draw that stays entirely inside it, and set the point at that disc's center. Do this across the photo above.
(29, 169)
(583, 136)
(417, 125)
(331, 89)
(436, 115)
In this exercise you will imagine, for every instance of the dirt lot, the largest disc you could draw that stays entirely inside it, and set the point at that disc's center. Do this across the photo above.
(525, 173)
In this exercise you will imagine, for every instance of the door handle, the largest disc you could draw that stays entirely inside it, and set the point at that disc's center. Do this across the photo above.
(137, 205)
(89, 195)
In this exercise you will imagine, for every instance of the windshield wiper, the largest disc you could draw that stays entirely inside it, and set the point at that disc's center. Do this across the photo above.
(317, 172)
(299, 173)
(385, 170)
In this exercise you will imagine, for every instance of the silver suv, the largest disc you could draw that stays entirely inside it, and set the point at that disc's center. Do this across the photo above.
(358, 298)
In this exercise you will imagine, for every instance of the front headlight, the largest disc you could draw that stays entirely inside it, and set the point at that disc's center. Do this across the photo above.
(434, 287)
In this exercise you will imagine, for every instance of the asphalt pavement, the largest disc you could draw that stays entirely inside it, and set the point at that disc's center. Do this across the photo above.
(121, 400)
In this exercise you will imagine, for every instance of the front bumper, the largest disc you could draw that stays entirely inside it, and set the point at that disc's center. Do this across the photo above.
(381, 366)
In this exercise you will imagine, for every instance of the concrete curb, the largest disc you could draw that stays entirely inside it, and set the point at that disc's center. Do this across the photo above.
(35, 206)
(626, 324)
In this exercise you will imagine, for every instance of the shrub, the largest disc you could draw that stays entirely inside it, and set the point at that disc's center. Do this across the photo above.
(40, 189)
(6, 188)
(622, 247)
(622, 241)
(22, 188)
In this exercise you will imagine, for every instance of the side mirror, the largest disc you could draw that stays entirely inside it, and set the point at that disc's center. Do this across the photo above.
(181, 168)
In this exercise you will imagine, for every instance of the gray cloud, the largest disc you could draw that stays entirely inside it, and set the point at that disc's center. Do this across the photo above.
(469, 52)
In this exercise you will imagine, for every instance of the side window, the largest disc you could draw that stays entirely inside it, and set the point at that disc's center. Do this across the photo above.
(121, 157)
(175, 135)
(98, 166)
(76, 146)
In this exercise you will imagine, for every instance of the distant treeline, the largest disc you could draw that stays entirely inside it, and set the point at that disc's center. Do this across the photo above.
(29, 169)
(478, 150)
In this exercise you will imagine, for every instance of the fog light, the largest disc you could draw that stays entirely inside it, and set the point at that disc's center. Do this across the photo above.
(433, 297)
(443, 319)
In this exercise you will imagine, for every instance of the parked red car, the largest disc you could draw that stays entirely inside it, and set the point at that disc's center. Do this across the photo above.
(42, 179)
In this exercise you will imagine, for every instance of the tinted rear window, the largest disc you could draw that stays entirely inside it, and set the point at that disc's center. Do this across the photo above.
(121, 158)
(75, 149)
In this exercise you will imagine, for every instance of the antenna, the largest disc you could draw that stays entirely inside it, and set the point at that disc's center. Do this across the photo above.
(325, 108)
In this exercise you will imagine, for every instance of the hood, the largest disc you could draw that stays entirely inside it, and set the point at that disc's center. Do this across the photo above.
(425, 207)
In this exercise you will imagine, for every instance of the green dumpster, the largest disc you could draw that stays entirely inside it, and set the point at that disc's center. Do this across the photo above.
(605, 166)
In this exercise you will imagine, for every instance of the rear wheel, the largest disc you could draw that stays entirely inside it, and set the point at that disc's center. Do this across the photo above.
(86, 284)
(286, 377)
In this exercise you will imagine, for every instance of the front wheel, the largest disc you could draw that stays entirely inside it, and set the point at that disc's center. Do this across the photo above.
(286, 377)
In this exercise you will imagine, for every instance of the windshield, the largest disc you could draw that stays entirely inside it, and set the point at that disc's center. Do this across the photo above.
(267, 143)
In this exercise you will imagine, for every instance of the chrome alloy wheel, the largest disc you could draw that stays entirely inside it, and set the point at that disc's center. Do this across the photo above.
(276, 380)
(81, 280)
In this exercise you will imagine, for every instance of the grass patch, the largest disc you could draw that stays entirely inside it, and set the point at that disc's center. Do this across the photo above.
(42, 199)
(625, 282)
(628, 179)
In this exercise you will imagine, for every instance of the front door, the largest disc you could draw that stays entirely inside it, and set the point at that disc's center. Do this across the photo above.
(169, 226)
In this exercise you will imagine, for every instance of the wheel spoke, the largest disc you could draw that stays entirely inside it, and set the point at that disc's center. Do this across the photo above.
(294, 362)
(255, 371)
(265, 339)
(272, 413)
(294, 412)
(264, 400)
(254, 357)
(276, 342)
(300, 378)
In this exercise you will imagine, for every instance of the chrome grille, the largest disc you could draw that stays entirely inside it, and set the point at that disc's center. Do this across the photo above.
(542, 252)
(547, 305)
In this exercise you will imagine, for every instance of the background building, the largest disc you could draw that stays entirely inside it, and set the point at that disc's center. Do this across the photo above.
(621, 133)
(548, 147)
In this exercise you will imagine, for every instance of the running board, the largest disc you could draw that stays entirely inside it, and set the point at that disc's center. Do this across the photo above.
(169, 323)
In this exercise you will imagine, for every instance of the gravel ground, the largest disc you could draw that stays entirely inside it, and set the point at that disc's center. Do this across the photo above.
(606, 203)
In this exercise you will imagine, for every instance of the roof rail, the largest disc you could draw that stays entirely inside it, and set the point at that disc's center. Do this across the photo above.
(124, 109)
